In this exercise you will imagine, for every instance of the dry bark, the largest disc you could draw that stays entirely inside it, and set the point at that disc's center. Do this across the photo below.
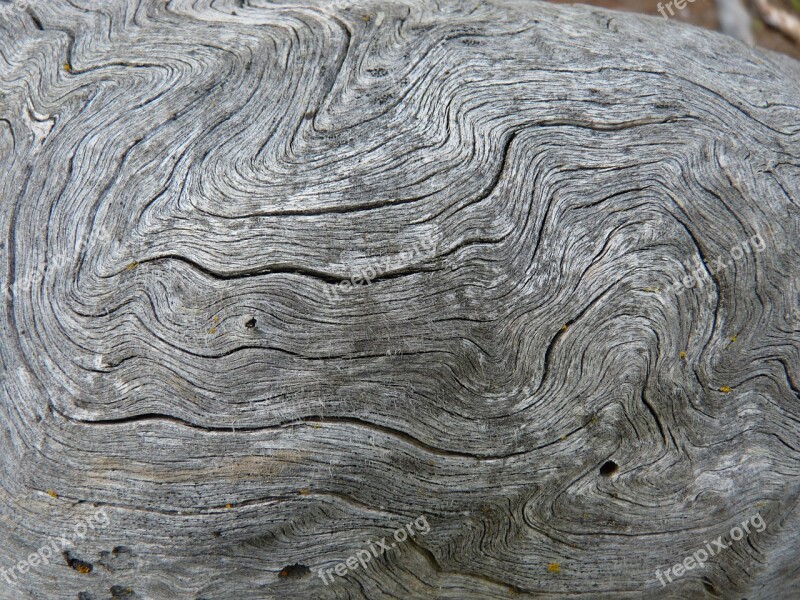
(185, 186)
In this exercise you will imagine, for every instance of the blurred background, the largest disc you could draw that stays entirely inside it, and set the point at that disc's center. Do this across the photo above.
(771, 24)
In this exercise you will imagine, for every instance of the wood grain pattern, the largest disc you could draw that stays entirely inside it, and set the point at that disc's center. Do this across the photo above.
(513, 187)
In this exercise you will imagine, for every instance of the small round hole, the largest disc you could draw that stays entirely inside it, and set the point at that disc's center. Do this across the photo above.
(609, 468)
(294, 571)
(250, 323)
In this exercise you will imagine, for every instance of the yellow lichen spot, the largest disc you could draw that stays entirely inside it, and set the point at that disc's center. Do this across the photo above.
(733, 338)
(83, 569)
(52, 494)
(725, 389)
(564, 327)
(316, 426)
(563, 437)
(304, 492)
(66, 67)
(366, 18)
(554, 567)
(132, 266)
(215, 319)
(228, 506)
(212, 330)
(682, 355)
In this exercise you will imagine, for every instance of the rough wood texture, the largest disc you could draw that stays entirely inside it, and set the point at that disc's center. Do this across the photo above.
(186, 183)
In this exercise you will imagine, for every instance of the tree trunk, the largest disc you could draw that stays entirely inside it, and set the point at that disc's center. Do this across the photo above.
(283, 280)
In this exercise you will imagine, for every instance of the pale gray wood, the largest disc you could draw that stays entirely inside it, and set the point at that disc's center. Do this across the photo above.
(523, 182)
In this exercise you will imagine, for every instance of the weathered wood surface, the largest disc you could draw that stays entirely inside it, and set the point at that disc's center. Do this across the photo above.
(186, 182)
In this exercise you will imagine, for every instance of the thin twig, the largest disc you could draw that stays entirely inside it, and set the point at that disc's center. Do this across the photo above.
(785, 22)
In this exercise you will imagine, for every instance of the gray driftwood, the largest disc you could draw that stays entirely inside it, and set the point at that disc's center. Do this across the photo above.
(185, 185)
